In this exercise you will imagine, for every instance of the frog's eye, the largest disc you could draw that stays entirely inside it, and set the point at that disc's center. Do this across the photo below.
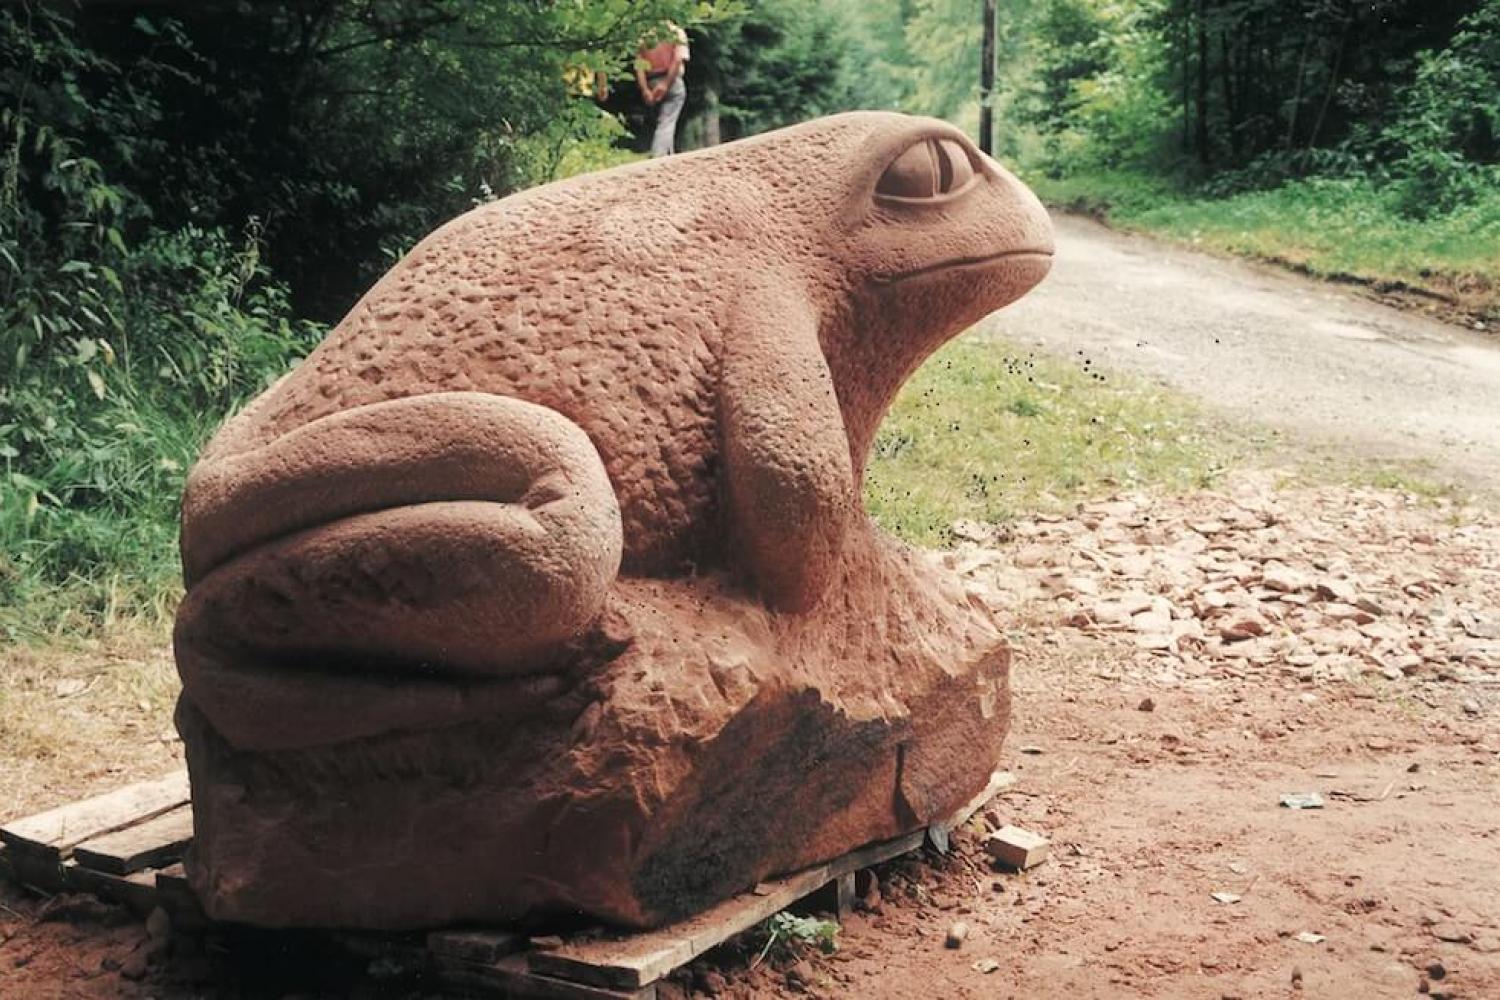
(928, 169)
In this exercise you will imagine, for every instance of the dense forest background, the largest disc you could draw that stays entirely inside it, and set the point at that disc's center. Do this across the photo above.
(191, 191)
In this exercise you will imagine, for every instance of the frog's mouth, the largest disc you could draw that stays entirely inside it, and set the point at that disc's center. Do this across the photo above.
(1039, 254)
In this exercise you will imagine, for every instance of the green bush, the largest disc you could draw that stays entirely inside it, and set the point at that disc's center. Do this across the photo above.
(118, 358)
(1447, 125)
(179, 183)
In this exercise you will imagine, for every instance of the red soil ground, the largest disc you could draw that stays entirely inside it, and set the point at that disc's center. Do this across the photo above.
(1149, 814)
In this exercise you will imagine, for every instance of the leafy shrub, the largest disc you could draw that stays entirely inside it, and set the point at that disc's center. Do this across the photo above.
(118, 356)
(1447, 124)
(786, 930)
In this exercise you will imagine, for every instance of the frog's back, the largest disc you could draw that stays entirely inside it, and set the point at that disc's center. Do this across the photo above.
(594, 300)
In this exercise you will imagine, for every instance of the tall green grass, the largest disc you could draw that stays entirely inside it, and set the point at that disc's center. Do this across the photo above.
(1344, 227)
(108, 553)
(120, 360)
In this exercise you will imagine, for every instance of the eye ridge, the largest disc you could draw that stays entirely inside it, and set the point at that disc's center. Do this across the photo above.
(927, 170)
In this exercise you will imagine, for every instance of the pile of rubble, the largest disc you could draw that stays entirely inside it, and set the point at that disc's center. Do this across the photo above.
(1327, 583)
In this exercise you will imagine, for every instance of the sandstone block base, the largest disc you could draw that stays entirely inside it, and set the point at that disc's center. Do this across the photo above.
(695, 746)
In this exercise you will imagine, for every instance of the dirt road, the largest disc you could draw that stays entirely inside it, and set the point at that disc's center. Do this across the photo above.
(1324, 365)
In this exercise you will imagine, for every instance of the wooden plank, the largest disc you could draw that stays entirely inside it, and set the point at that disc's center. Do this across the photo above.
(41, 873)
(54, 833)
(173, 878)
(837, 897)
(635, 961)
(511, 978)
(484, 947)
(874, 854)
(136, 890)
(155, 843)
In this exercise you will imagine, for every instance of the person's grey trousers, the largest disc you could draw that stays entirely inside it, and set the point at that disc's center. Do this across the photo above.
(664, 142)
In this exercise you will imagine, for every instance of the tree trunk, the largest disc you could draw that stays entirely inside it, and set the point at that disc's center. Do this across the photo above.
(1184, 49)
(1204, 155)
(1291, 125)
(1231, 101)
(987, 79)
(1333, 82)
(711, 135)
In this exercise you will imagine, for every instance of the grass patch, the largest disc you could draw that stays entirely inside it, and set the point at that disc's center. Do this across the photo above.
(134, 583)
(68, 572)
(1338, 228)
(985, 431)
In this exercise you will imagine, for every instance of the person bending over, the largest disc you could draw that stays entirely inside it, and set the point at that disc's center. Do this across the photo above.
(658, 72)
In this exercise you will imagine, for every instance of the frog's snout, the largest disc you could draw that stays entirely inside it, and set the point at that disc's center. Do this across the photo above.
(1027, 228)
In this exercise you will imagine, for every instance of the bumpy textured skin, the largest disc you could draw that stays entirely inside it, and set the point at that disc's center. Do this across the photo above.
(544, 585)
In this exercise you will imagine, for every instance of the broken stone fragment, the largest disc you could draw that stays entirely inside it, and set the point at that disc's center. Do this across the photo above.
(1016, 848)
(1302, 800)
(1281, 577)
(1151, 621)
(1238, 628)
(1347, 613)
(958, 932)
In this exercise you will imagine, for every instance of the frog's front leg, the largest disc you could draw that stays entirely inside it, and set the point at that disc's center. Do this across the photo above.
(445, 539)
(789, 478)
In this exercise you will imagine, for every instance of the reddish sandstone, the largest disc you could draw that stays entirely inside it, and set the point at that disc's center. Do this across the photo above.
(544, 585)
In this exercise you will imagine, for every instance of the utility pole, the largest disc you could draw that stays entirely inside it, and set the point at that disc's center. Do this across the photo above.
(987, 80)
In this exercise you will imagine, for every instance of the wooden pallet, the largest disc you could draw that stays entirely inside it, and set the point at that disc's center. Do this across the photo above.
(127, 847)
(118, 846)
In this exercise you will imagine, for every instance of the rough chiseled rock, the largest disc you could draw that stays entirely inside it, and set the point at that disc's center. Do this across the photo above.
(544, 585)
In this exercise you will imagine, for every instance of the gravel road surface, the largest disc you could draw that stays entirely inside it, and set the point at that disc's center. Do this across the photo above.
(1325, 366)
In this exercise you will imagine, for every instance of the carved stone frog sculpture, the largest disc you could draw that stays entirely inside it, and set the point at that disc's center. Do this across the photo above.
(544, 584)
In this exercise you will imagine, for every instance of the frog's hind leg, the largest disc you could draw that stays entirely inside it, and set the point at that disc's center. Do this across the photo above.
(384, 566)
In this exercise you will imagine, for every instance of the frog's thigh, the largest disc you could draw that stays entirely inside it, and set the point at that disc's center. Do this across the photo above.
(434, 448)
(456, 533)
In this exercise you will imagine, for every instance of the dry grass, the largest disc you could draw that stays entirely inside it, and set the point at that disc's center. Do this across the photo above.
(78, 718)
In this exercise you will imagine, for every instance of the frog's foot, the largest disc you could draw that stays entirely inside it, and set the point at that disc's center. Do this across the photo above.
(391, 566)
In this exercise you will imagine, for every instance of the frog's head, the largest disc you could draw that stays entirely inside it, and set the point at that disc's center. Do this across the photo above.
(934, 231)
(915, 236)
